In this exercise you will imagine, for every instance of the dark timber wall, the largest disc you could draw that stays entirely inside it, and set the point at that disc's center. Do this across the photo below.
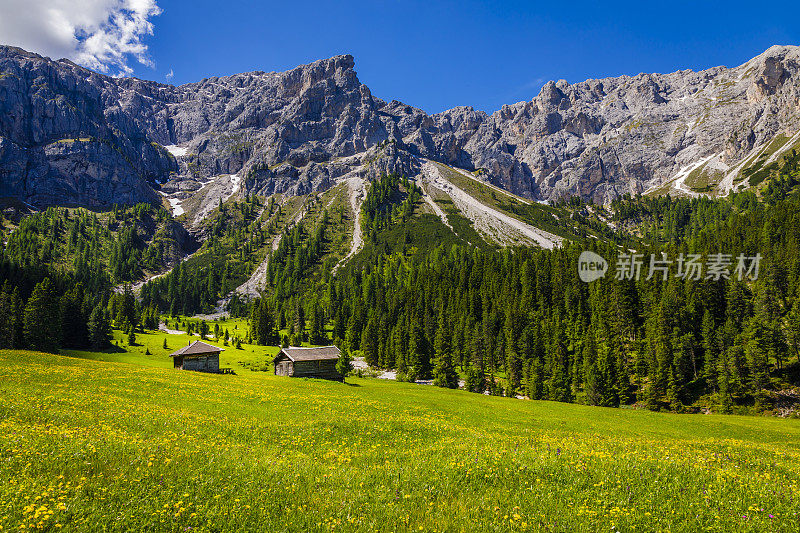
(322, 369)
(201, 363)
(325, 369)
(284, 367)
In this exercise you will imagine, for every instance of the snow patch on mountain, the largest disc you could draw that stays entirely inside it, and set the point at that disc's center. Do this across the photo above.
(176, 150)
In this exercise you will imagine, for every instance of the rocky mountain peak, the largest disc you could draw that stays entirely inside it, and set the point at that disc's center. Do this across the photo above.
(69, 135)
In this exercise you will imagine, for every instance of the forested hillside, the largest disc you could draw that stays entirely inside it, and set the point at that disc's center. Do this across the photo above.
(237, 235)
(291, 233)
(524, 316)
(431, 298)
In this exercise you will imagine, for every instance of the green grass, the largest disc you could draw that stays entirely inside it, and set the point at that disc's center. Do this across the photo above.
(248, 357)
(703, 179)
(94, 446)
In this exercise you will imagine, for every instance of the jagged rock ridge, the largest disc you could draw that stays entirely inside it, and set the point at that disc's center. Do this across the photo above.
(72, 136)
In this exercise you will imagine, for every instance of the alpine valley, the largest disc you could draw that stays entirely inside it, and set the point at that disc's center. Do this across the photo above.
(276, 302)
(428, 247)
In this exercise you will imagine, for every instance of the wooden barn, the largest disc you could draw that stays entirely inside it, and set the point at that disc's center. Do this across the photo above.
(197, 356)
(308, 362)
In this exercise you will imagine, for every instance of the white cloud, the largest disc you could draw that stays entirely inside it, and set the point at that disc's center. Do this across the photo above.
(170, 75)
(100, 34)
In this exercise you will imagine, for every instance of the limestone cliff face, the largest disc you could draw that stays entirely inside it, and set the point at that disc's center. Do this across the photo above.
(602, 138)
(66, 139)
(72, 136)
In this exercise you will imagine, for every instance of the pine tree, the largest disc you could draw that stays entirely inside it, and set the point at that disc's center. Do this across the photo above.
(444, 373)
(724, 381)
(513, 370)
(710, 349)
(369, 343)
(317, 333)
(73, 321)
(8, 317)
(343, 365)
(558, 385)
(474, 380)
(757, 358)
(41, 319)
(534, 382)
(793, 329)
(596, 387)
(443, 342)
(99, 328)
(418, 358)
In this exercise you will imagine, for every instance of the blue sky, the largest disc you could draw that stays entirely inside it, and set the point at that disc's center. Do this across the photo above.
(436, 55)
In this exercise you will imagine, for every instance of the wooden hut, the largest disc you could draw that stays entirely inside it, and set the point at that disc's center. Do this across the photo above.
(197, 356)
(308, 362)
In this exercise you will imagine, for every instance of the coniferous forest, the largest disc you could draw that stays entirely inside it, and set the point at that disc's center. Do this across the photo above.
(520, 322)
(418, 299)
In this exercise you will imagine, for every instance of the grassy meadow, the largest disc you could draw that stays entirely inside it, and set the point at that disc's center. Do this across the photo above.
(248, 357)
(128, 445)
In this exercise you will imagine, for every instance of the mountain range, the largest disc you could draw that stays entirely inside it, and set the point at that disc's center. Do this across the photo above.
(419, 243)
(71, 136)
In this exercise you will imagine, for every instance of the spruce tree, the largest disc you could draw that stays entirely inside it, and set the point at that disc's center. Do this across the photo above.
(369, 343)
(474, 380)
(596, 388)
(41, 318)
(444, 373)
(793, 329)
(99, 328)
(343, 365)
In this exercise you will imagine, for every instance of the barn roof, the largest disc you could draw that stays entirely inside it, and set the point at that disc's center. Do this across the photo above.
(311, 354)
(196, 348)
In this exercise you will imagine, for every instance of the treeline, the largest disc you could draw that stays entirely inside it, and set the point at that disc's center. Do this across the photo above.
(236, 234)
(387, 203)
(61, 313)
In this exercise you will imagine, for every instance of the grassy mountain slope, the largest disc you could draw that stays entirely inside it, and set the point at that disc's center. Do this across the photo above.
(259, 452)
(557, 220)
(772, 161)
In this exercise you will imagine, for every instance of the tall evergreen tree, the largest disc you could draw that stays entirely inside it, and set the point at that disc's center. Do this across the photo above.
(42, 318)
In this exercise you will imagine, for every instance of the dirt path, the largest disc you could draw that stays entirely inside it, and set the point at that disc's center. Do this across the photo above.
(163, 327)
